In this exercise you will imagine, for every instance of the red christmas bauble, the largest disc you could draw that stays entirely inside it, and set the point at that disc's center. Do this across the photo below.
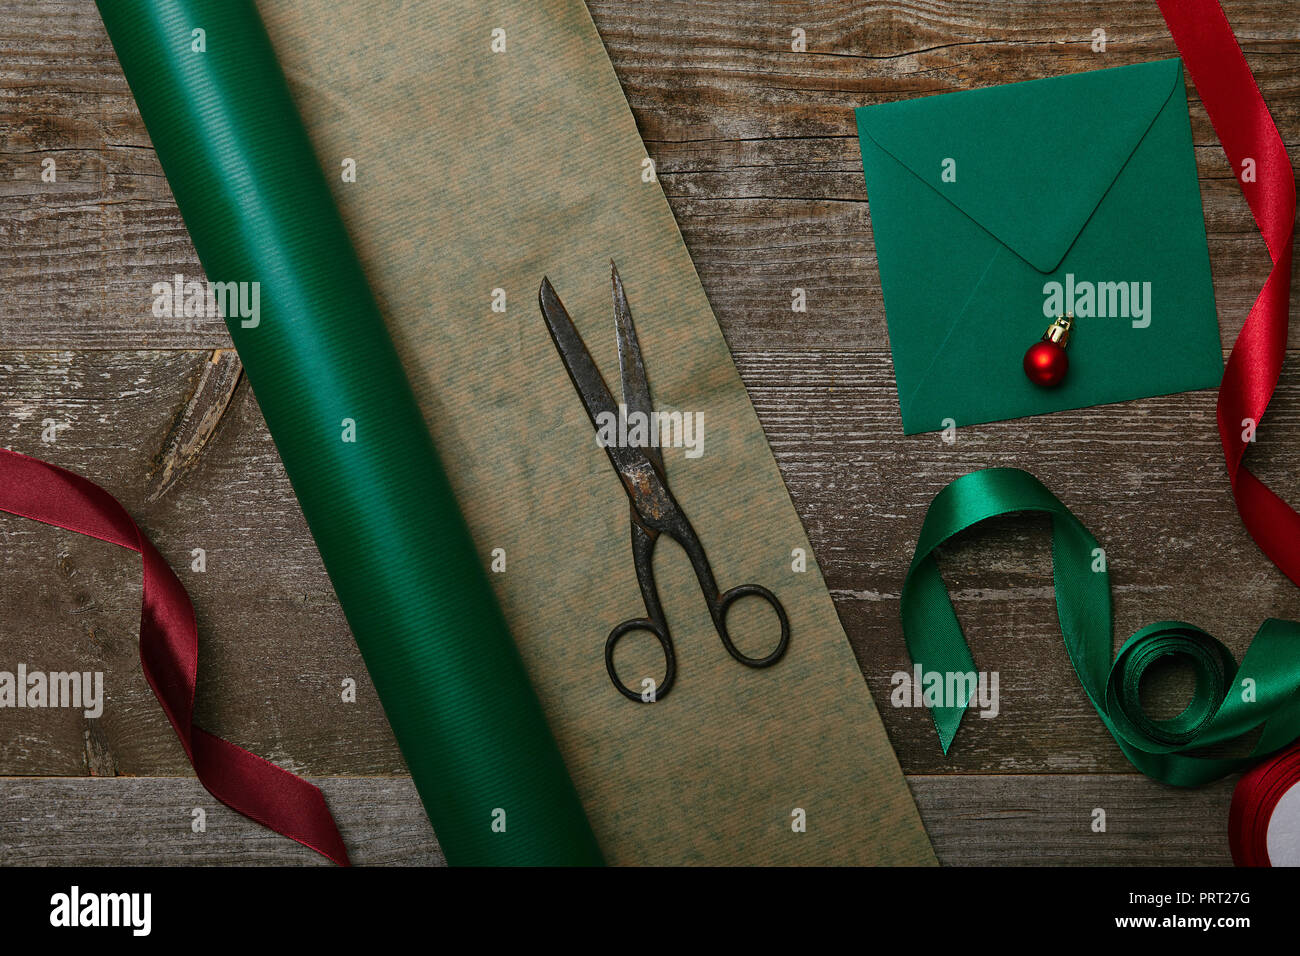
(1046, 364)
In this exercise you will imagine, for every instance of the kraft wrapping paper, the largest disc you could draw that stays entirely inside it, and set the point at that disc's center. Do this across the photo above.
(479, 171)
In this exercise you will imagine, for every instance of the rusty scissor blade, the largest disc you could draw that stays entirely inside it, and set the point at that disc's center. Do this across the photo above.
(636, 386)
(639, 474)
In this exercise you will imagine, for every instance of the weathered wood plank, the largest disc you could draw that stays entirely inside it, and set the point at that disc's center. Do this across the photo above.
(150, 821)
(81, 254)
(1047, 819)
(755, 147)
(792, 221)
(1146, 477)
(1043, 819)
(726, 69)
(274, 646)
(754, 144)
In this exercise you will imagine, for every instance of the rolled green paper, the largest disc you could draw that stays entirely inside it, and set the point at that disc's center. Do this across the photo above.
(352, 438)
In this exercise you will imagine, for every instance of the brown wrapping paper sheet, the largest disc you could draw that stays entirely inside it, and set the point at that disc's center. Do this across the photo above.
(481, 170)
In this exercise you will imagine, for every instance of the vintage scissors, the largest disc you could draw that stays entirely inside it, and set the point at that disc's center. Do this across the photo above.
(654, 509)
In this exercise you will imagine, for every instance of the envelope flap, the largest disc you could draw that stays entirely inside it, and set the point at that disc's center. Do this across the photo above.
(1027, 161)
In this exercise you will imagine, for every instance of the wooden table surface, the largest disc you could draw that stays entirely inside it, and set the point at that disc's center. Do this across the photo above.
(756, 148)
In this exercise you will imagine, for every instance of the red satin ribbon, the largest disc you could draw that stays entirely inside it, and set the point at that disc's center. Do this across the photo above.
(169, 654)
(1253, 802)
(1249, 137)
(1247, 132)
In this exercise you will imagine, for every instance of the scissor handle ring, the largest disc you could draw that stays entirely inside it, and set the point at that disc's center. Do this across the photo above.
(729, 598)
(670, 658)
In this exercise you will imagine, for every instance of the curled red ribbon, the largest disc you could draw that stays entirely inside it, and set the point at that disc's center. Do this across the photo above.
(1253, 802)
(169, 655)
(1252, 143)
(1263, 170)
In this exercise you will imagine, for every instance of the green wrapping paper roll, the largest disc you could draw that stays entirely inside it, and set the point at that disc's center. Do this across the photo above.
(258, 207)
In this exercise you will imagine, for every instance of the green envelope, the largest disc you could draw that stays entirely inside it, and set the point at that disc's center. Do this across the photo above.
(996, 209)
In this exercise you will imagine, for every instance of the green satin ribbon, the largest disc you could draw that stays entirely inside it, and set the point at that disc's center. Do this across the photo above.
(1228, 701)
(380, 508)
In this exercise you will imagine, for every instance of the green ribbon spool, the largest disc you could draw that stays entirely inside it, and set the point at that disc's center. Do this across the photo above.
(1228, 701)
(396, 547)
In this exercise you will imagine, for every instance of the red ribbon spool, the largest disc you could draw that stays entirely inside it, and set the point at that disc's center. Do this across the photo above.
(1253, 803)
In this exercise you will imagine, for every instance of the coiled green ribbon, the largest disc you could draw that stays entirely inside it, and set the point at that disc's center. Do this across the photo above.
(1228, 701)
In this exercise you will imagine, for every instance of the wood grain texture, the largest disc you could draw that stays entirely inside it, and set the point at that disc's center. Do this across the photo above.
(1145, 477)
(1003, 820)
(275, 647)
(150, 821)
(755, 146)
(1047, 820)
(756, 149)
